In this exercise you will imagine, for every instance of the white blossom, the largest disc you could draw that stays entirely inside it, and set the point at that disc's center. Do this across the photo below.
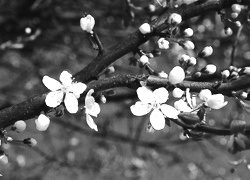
(153, 101)
(162, 74)
(67, 91)
(145, 28)
(182, 106)
(176, 75)
(205, 94)
(174, 19)
(91, 109)
(163, 43)
(216, 101)
(87, 23)
(42, 122)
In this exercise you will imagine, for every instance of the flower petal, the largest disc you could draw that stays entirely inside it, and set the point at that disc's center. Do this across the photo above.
(169, 111)
(182, 106)
(145, 94)
(71, 103)
(216, 101)
(77, 88)
(94, 110)
(51, 83)
(91, 123)
(157, 119)
(161, 95)
(140, 109)
(54, 98)
(66, 78)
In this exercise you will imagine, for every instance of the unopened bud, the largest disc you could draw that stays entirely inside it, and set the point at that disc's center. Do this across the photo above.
(192, 61)
(176, 75)
(246, 70)
(188, 32)
(236, 8)
(205, 94)
(144, 60)
(243, 95)
(238, 23)
(42, 122)
(184, 58)
(162, 74)
(163, 43)
(103, 99)
(151, 8)
(234, 15)
(228, 31)
(4, 159)
(196, 75)
(206, 51)
(110, 70)
(145, 28)
(30, 141)
(186, 44)
(210, 69)
(87, 23)
(225, 74)
(174, 19)
(19, 126)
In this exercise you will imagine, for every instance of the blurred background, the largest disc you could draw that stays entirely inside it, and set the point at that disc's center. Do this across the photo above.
(43, 37)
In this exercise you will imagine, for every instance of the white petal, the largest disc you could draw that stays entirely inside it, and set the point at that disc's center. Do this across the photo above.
(169, 111)
(91, 123)
(66, 78)
(89, 102)
(77, 88)
(140, 109)
(157, 119)
(51, 83)
(145, 95)
(94, 110)
(71, 103)
(181, 105)
(54, 98)
(161, 95)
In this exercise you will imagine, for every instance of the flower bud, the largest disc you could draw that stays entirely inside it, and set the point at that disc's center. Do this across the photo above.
(3, 159)
(176, 75)
(145, 28)
(174, 19)
(216, 101)
(192, 61)
(236, 8)
(188, 32)
(206, 51)
(163, 43)
(225, 74)
(205, 94)
(30, 141)
(144, 60)
(210, 69)
(177, 93)
(186, 44)
(42, 122)
(103, 99)
(184, 58)
(243, 95)
(238, 23)
(228, 31)
(234, 15)
(19, 126)
(87, 23)
(151, 8)
(110, 70)
(246, 70)
(162, 74)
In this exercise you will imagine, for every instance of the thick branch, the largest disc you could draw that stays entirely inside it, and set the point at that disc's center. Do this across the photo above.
(35, 105)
